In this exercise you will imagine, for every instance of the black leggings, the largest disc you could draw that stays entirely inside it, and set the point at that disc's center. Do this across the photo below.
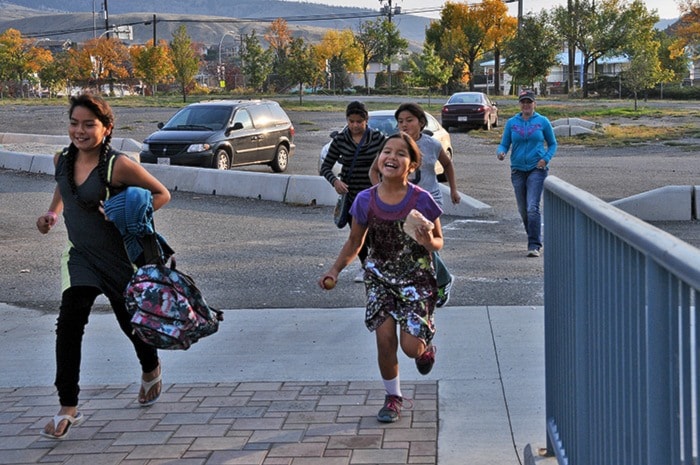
(73, 315)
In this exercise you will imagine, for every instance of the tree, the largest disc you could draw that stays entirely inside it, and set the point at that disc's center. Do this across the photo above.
(601, 28)
(302, 65)
(370, 41)
(465, 32)
(429, 70)
(154, 65)
(533, 50)
(257, 62)
(675, 64)
(394, 45)
(279, 37)
(52, 77)
(337, 48)
(184, 60)
(110, 60)
(687, 31)
(644, 69)
(500, 31)
(20, 59)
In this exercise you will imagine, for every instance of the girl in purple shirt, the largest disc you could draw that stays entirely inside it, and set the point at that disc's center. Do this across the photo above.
(399, 272)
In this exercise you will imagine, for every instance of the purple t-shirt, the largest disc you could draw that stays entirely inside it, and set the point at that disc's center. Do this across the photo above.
(425, 204)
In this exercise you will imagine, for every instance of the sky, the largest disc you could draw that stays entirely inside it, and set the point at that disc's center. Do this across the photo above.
(667, 9)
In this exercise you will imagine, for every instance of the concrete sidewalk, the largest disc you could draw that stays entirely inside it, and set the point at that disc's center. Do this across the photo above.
(283, 386)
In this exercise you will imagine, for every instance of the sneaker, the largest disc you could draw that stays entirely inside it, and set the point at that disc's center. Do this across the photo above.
(426, 360)
(391, 410)
(360, 276)
(533, 253)
(443, 294)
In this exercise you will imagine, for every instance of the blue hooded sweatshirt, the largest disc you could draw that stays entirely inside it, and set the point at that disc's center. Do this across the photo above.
(527, 140)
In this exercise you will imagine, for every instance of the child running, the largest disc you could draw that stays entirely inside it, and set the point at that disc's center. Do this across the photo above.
(400, 277)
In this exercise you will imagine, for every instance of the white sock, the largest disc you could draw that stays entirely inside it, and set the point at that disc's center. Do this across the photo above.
(393, 386)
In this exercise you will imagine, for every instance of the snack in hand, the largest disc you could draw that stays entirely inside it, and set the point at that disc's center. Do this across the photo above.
(415, 221)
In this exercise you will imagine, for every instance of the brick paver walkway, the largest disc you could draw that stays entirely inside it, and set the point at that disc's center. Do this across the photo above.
(248, 423)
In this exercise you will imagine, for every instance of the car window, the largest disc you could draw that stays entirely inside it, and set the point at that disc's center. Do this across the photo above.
(242, 116)
(179, 119)
(385, 124)
(261, 115)
(200, 117)
(433, 124)
(278, 114)
(214, 118)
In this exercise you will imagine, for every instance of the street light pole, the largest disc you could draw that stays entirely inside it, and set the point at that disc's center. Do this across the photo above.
(220, 71)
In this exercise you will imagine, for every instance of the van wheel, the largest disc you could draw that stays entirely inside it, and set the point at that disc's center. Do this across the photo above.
(221, 160)
(281, 160)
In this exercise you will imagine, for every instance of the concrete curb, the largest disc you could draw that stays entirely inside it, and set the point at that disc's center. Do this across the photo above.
(567, 127)
(294, 189)
(129, 146)
(668, 203)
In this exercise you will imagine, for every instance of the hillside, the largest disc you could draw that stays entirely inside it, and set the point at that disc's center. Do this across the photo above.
(58, 19)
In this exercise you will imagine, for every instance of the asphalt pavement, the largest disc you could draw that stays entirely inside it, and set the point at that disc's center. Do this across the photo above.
(292, 379)
(291, 376)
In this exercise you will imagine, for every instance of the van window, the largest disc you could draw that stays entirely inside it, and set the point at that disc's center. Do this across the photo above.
(242, 116)
(261, 115)
(278, 114)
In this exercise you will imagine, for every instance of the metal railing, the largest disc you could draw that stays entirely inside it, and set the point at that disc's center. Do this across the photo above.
(621, 335)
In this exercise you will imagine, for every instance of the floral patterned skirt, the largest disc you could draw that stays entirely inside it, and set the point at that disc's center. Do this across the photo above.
(399, 282)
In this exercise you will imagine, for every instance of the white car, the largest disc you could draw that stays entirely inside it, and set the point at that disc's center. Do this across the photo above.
(384, 121)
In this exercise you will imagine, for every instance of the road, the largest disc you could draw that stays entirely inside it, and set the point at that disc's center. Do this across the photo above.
(254, 254)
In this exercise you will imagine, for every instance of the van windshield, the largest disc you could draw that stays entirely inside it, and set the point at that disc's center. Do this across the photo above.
(201, 118)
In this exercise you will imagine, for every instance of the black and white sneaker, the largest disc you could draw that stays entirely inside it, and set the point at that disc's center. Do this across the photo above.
(443, 294)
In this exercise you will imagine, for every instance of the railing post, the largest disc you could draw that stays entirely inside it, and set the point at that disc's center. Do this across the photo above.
(582, 452)
(658, 376)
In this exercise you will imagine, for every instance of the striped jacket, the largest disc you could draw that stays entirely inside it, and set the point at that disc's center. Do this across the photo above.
(342, 150)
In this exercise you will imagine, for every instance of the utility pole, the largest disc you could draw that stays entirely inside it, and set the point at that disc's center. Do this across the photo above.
(520, 11)
(389, 10)
(106, 18)
(153, 21)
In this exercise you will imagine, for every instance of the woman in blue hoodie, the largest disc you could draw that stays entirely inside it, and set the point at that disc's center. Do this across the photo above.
(525, 135)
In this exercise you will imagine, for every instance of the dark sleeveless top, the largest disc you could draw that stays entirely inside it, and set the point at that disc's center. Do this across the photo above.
(95, 255)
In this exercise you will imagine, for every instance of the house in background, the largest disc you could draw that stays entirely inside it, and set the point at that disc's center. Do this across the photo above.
(558, 75)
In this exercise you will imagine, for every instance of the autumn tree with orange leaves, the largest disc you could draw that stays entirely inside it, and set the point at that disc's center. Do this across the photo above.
(110, 59)
(153, 64)
(465, 32)
(687, 31)
(20, 60)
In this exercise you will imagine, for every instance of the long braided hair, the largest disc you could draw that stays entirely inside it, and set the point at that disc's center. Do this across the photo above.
(104, 114)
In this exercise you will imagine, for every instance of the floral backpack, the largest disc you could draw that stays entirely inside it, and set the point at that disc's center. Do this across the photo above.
(168, 309)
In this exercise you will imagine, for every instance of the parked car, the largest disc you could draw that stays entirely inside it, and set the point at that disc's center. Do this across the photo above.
(384, 121)
(224, 133)
(469, 110)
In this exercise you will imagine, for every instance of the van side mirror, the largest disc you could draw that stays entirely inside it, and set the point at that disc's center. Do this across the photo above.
(236, 126)
(160, 125)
